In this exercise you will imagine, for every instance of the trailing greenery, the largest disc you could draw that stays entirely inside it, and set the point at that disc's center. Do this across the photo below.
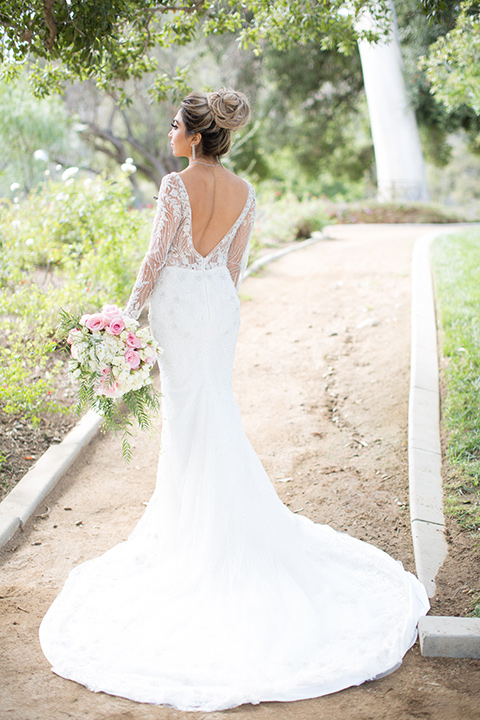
(456, 261)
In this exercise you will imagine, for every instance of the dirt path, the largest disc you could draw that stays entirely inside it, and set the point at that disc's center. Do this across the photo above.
(322, 381)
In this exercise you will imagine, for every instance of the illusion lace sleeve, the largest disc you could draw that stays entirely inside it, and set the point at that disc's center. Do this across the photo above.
(240, 247)
(165, 226)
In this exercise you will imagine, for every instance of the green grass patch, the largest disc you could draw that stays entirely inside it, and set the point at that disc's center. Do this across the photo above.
(456, 263)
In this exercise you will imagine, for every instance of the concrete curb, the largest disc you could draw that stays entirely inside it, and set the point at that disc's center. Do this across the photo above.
(33, 488)
(439, 636)
(424, 451)
(453, 637)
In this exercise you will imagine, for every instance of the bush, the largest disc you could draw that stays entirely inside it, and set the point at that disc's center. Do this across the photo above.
(286, 218)
(390, 212)
(77, 245)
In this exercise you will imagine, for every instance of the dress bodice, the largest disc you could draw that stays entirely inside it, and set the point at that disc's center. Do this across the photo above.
(171, 242)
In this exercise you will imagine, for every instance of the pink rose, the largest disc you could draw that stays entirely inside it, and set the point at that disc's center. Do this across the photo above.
(95, 322)
(111, 311)
(108, 389)
(133, 341)
(105, 372)
(132, 358)
(150, 360)
(116, 326)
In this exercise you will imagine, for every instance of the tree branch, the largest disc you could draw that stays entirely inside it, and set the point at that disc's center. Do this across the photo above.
(51, 24)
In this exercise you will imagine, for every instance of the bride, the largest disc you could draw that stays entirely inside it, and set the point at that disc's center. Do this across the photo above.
(221, 595)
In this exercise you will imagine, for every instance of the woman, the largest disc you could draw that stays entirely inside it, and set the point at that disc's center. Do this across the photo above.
(221, 595)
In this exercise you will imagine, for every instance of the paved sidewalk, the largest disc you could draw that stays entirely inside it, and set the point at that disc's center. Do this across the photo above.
(322, 379)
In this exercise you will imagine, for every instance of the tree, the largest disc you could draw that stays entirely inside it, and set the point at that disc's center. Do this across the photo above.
(115, 131)
(112, 41)
(398, 152)
(311, 110)
(453, 62)
(35, 134)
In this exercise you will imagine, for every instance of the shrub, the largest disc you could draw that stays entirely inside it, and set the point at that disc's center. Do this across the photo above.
(77, 245)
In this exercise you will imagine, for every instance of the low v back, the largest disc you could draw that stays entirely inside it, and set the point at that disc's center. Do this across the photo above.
(213, 235)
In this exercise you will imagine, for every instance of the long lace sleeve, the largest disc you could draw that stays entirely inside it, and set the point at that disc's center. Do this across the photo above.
(165, 226)
(240, 247)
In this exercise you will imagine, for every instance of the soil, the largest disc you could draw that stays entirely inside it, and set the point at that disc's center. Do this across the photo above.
(322, 377)
(22, 442)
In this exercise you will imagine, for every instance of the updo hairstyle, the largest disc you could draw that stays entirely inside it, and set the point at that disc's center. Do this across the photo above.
(215, 115)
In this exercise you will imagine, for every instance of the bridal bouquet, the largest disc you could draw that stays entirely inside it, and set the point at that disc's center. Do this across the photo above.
(111, 357)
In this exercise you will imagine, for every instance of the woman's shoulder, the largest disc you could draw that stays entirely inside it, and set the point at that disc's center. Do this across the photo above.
(171, 185)
(171, 179)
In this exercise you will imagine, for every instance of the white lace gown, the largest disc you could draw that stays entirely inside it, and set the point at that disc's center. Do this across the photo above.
(221, 595)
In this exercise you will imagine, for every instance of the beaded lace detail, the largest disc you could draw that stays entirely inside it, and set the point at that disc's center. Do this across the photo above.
(171, 242)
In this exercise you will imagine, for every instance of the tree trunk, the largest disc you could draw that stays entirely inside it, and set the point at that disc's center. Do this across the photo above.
(398, 152)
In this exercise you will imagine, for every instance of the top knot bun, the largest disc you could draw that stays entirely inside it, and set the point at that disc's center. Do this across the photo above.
(230, 109)
(214, 116)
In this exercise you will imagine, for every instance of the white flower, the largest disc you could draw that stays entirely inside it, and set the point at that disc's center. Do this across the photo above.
(40, 155)
(128, 167)
(69, 173)
(58, 167)
(29, 241)
(144, 334)
(14, 186)
(122, 378)
(130, 324)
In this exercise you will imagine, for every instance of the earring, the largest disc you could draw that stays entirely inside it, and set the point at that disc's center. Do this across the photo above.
(193, 152)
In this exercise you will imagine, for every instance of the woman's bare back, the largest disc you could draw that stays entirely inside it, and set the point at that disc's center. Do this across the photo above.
(217, 198)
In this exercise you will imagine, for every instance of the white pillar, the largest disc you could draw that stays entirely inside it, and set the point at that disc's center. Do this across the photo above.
(398, 152)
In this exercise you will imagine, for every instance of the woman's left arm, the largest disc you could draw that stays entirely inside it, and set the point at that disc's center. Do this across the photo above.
(240, 247)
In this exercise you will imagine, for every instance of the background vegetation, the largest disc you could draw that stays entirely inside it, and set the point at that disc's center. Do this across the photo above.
(457, 281)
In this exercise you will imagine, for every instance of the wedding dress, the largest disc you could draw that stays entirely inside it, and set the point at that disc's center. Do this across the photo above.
(221, 595)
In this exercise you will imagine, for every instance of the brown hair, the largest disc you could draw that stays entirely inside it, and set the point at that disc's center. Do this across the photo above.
(215, 115)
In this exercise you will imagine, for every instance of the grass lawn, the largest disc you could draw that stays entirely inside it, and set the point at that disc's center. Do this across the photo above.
(456, 263)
